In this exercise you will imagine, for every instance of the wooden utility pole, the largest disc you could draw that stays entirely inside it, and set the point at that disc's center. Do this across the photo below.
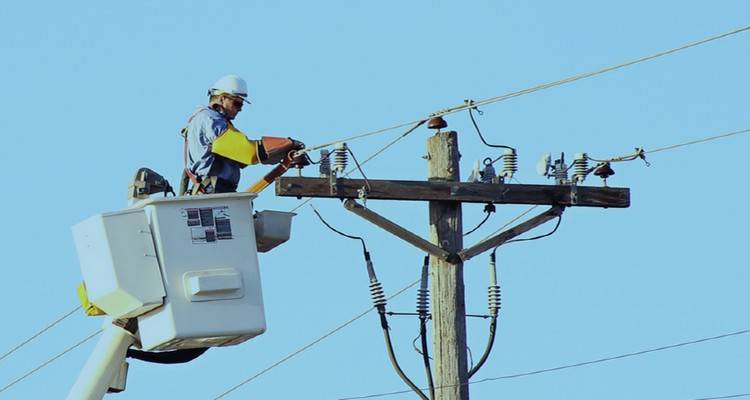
(445, 194)
(448, 303)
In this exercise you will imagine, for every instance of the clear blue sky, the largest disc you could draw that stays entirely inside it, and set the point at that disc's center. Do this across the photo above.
(93, 91)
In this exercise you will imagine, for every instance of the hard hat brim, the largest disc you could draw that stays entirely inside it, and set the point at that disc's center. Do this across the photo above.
(217, 92)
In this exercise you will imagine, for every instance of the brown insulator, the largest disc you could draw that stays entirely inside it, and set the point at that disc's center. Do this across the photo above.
(604, 171)
(436, 123)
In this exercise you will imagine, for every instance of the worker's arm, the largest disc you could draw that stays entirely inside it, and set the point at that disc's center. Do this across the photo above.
(234, 145)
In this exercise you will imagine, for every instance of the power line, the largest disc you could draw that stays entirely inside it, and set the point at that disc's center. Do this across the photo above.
(595, 73)
(311, 344)
(640, 152)
(34, 336)
(706, 139)
(44, 364)
(731, 396)
(576, 365)
(536, 88)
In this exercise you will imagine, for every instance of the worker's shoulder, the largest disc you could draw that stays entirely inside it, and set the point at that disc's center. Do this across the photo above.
(208, 117)
(205, 113)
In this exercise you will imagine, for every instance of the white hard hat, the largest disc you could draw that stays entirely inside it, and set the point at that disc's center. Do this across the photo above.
(230, 84)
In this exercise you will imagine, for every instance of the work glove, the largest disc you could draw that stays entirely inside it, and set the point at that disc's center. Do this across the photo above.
(276, 148)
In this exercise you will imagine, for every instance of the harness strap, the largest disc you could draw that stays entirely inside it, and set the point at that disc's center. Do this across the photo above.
(197, 185)
(194, 179)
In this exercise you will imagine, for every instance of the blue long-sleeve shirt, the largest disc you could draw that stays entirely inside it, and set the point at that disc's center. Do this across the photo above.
(202, 129)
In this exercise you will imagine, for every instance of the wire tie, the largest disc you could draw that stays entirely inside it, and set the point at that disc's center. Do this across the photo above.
(642, 155)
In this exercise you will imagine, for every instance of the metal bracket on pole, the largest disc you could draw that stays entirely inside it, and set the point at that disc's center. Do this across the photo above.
(397, 230)
(509, 234)
(333, 182)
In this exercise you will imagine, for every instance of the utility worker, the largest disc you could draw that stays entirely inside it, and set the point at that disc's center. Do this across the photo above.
(215, 150)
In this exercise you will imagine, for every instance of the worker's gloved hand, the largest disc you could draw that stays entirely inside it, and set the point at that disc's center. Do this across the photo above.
(276, 148)
(297, 145)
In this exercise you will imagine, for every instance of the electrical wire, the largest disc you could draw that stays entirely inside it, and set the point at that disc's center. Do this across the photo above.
(731, 396)
(548, 85)
(577, 365)
(486, 217)
(36, 335)
(364, 246)
(311, 344)
(471, 357)
(416, 349)
(640, 153)
(591, 74)
(394, 361)
(707, 139)
(490, 342)
(476, 127)
(44, 364)
(322, 158)
(557, 225)
(507, 224)
(359, 167)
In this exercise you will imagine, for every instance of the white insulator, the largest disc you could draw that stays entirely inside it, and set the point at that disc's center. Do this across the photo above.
(376, 292)
(325, 163)
(493, 299)
(580, 167)
(423, 301)
(341, 157)
(510, 163)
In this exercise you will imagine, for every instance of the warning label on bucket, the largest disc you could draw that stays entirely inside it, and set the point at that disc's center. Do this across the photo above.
(208, 224)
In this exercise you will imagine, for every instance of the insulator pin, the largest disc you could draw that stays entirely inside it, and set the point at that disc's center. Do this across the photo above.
(488, 174)
(325, 163)
(561, 172)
